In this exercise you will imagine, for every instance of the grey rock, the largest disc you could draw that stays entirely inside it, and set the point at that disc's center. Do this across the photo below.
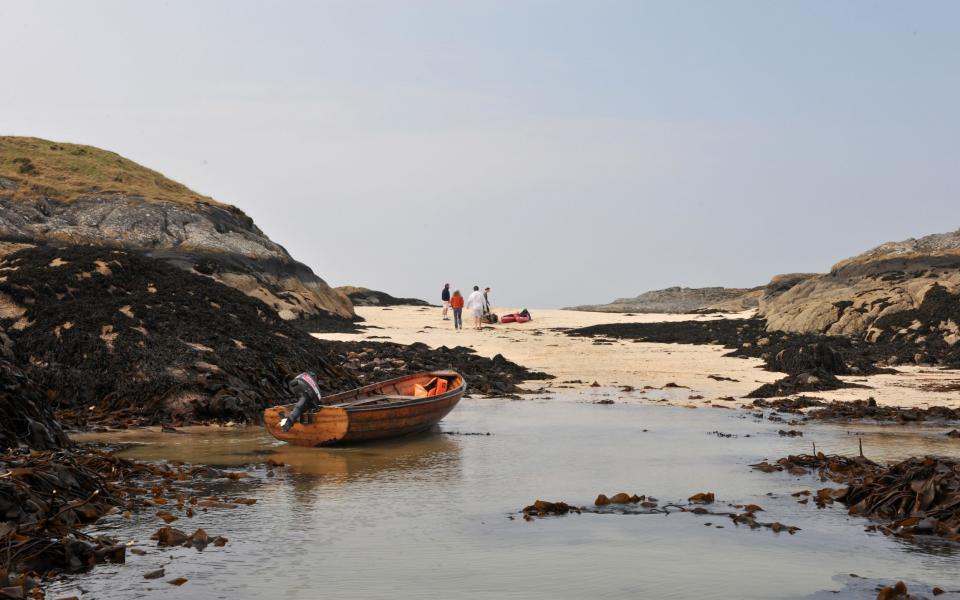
(682, 300)
(217, 240)
(885, 280)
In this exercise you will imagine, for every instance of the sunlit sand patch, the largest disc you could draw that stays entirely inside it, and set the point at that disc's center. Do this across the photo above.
(21, 324)
(102, 268)
(10, 309)
(108, 335)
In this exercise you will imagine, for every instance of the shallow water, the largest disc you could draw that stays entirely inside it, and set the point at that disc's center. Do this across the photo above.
(429, 515)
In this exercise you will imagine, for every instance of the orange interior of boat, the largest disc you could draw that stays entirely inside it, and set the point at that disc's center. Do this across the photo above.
(406, 389)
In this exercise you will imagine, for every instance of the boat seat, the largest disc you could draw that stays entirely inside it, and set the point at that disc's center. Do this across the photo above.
(369, 400)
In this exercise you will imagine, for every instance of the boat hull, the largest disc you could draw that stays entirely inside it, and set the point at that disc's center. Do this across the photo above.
(332, 425)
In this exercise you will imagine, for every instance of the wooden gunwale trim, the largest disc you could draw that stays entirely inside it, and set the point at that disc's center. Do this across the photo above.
(328, 401)
(413, 402)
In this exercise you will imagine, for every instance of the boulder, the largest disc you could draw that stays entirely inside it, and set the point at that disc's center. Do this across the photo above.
(67, 193)
(860, 293)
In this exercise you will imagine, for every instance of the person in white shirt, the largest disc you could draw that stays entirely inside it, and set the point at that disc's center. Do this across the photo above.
(476, 304)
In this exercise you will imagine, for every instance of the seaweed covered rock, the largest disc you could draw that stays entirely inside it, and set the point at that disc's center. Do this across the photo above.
(919, 336)
(118, 335)
(898, 303)
(928, 333)
(816, 380)
(370, 362)
(25, 416)
(806, 358)
(812, 362)
(48, 497)
(122, 339)
(791, 353)
(869, 409)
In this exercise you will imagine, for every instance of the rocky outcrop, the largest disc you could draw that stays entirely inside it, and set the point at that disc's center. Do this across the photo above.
(117, 338)
(65, 193)
(682, 300)
(870, 294)
(361, 296)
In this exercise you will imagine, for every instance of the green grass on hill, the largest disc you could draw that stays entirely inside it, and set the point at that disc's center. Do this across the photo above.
(67, 171)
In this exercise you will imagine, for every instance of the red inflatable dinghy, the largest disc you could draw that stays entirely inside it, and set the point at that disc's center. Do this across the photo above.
(514, 318)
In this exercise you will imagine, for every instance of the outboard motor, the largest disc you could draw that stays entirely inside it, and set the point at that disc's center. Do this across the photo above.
(304, 387)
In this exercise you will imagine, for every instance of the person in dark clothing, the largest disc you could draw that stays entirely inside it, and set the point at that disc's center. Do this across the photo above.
(445, 297)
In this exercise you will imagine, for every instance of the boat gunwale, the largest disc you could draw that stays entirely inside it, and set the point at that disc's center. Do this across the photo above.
(413, 400)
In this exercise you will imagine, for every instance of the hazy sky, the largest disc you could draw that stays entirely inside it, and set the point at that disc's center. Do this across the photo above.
(561, 152)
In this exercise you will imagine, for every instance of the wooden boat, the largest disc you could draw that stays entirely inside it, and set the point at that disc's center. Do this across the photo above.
(382, 410)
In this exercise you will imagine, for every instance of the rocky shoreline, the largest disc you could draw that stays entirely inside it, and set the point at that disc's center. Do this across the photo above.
(811, 361)
(361, 296)
(682, 300)
(163, 345)
(48, 498)
(95, 338)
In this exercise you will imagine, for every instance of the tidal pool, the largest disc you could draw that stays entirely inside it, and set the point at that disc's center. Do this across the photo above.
(429, 516)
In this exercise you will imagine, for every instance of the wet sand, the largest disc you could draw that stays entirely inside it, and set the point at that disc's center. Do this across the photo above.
(537, 345)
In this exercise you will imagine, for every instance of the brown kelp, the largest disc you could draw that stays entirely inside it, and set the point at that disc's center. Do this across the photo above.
(916, 496)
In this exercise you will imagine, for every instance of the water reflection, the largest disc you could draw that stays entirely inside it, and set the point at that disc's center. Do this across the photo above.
(431, 452)
(235, 447)
(426, 516)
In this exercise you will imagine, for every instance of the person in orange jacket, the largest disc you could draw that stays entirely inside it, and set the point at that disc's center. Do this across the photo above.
(456, 303)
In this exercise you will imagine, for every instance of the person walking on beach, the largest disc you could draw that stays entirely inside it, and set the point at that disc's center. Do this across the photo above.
(445, 297)
(476, 305)
(486, 301)
(456, 303)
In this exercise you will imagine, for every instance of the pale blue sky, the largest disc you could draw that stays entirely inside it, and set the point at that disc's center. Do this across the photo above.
(561, 152)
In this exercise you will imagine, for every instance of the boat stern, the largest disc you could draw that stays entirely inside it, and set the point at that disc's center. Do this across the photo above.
(326, 425)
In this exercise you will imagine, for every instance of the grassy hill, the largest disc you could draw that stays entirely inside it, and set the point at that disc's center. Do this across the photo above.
(66, 171)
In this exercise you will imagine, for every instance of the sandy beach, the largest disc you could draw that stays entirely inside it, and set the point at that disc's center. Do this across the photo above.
(539, 344)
